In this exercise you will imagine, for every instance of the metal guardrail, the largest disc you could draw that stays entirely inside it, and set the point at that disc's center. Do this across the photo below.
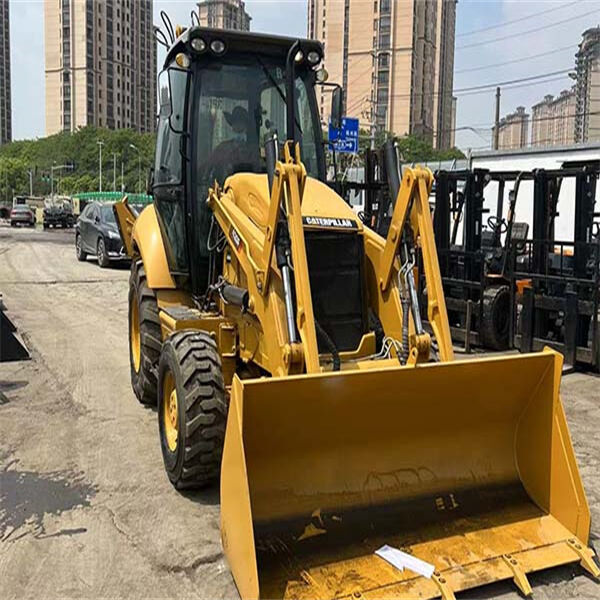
(113, 197)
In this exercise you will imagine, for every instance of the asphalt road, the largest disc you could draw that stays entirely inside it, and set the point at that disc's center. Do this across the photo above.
(86, 510)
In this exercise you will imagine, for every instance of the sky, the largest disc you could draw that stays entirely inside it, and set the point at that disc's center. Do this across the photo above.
(549, 27)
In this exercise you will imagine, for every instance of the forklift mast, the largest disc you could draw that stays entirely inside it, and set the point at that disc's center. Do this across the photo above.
(585, 201)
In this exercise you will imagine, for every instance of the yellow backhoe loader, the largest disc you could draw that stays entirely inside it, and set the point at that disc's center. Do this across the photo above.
(282, 343)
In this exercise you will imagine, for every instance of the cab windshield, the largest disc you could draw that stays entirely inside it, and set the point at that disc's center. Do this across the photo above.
(240, 103)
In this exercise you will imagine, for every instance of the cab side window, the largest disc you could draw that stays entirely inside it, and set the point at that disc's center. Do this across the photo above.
(168, 186)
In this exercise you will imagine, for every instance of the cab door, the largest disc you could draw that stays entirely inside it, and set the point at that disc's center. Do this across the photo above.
(168, 187)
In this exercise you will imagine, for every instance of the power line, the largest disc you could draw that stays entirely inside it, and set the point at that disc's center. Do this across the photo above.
(522, 33)
(516, 60)
(509, 82)
(358, 102)
(511, 87)
(516, 83)
(525, 18)
(533, 120)
(366, 99)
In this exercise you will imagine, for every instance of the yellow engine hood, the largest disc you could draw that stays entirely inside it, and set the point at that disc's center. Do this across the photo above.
(321, 206)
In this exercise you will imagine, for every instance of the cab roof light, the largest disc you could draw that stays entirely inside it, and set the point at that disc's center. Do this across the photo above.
(218, 47)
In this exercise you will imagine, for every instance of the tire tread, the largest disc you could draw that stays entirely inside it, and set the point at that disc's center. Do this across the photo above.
(205, 406)
(144, 382)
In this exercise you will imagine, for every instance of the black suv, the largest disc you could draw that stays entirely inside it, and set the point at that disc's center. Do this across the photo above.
(96, 233)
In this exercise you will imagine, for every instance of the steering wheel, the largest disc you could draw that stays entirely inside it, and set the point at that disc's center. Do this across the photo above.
(496, 224)
(225, 161)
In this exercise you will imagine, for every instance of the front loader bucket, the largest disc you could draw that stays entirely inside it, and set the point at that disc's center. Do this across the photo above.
(466, 465)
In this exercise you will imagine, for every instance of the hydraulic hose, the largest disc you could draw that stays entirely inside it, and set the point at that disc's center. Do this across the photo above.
(405, 319)
(335, 355)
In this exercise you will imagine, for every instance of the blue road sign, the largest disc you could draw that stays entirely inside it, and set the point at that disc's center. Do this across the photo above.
(344, 139)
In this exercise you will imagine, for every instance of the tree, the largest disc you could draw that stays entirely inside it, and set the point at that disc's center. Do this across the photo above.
(14, 180)
(79, 149)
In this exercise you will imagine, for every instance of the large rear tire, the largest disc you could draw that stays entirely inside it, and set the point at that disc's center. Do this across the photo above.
(192, 409)
(145, 338)
(496, 317)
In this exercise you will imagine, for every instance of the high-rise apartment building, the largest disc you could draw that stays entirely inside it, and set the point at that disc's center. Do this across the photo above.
(587, 69)
(394, 58)
(5, 106)
(444, 103)
(553, 120)
(224, 14)
(513, 130)
(100, 64)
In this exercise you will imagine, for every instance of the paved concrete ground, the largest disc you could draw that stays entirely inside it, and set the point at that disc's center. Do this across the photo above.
(85, 508)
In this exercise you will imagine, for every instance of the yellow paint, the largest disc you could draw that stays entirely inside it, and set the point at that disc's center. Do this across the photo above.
(460, 462)
(148, 243)
(125, 218)
(170, 411)
(433, 458)
(134, 335)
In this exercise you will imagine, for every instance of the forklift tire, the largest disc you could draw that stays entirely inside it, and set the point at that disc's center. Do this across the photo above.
(192, 409)
(145, 339)
(496, 317)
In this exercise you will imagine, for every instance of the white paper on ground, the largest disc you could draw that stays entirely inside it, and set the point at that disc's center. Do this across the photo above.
(402, 560)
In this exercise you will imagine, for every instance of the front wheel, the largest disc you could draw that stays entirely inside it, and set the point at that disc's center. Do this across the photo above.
(101, 254)
(192, 409)
(79, 251)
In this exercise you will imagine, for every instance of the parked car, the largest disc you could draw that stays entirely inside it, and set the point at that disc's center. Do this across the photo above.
(96, 234)
(21, 214)
(58, 212)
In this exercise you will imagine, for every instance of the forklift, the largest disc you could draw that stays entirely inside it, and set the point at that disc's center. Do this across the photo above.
(474, 271)
(557, 301)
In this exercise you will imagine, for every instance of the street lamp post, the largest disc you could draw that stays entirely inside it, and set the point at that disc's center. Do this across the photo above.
(52, 180)
(57, 168)
(30, 173)
(139, 166)
(100, 144)
(122, 178)
(114, 171)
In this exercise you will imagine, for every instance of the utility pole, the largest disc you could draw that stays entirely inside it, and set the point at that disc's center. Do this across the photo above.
(100, 144)
(30, 173)
(497, 120)
(114, 171)
(122, 179)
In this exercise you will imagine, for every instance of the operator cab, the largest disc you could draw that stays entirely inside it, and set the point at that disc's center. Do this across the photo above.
(222, 94)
